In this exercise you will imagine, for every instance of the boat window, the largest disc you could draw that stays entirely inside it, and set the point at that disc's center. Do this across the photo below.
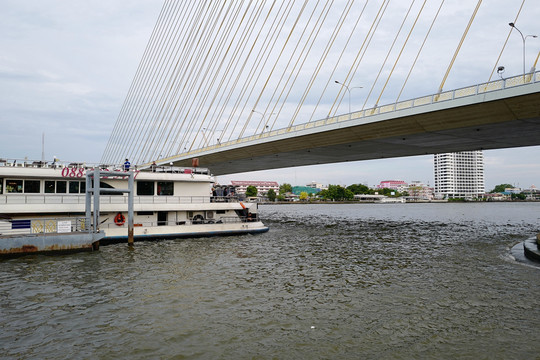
(73, 187)
(83, 187)
(61, 187)
(31, 186)
(49, 187)
(1, 186)
(14, 186)
(145, 188)
(165, 188)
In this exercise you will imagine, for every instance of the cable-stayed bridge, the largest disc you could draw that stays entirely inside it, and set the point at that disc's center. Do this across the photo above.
(481, 117)
(251, 86)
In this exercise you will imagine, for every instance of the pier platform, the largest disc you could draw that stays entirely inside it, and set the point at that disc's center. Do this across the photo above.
(23, 244)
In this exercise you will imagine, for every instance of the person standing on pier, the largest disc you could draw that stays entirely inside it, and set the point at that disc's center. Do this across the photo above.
(127, 164)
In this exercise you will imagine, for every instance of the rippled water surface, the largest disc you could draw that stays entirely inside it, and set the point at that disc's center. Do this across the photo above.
(327, 281)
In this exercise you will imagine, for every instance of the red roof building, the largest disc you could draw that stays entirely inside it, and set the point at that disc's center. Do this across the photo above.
(393, 184)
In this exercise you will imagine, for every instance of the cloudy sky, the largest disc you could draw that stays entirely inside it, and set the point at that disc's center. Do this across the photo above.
(66, 67)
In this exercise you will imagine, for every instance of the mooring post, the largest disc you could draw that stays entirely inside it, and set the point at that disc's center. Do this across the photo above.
(97, 192)
(130, 208)
(88, 203)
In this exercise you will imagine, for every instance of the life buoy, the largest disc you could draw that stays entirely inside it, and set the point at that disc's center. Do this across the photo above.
(119, 219)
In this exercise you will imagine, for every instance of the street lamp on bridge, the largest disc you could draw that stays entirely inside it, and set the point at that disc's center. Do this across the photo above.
(523, 38)
(265, 127)
(349, 90)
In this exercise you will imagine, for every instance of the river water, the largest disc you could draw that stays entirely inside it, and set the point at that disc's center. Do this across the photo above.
(359, 281)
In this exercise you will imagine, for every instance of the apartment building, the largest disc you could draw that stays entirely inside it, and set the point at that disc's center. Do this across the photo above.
(262, 186)
(459, 175)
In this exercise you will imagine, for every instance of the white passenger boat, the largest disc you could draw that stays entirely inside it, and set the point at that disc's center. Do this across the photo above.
(169, 202)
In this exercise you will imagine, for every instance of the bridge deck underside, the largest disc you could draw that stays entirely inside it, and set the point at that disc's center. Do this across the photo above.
(500, 123)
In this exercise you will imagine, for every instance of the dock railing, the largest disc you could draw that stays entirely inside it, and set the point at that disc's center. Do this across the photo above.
(36, 199)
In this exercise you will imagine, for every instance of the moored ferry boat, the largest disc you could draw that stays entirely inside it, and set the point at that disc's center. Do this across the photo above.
(169, 202)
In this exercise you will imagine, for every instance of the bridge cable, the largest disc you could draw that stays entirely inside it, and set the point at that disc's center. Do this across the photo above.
(292, 57)
(505, 42)
(208, 64)
(190, 81)
(420, 50)
(238, 69)
(256, 73)
(167, 113)
(308, 50)
(153, 85)
(270, 75)
(299, 64)
(228, 64)
(401, 51)
(331, 76)
(459, 46)
(359, 56)
(191, 59)
(111, 146)
(161, 80)
(388, 55)
(233, 88)
(260, 63)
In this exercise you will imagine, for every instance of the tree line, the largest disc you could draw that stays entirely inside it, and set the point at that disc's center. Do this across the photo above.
(340, 193)
(334, 192)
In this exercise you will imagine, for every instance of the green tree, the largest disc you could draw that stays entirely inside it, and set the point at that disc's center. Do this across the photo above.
(359, 189)
(271, 195)
(285, 188)
(336, 192)
(304, 195)
(251, 191)
(500, 188)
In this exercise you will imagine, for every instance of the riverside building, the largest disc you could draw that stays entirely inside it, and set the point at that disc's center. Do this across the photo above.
(459, 175)
(262, 186)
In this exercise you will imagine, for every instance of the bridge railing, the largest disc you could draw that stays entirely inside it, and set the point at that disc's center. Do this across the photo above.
(520, 80)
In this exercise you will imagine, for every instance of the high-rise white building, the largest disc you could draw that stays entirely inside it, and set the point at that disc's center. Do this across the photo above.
(459, 175)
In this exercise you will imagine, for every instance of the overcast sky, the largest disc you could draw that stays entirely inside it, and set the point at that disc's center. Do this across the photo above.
(66, 67)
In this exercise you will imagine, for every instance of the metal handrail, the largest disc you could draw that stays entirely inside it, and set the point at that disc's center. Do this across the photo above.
(38, 199)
